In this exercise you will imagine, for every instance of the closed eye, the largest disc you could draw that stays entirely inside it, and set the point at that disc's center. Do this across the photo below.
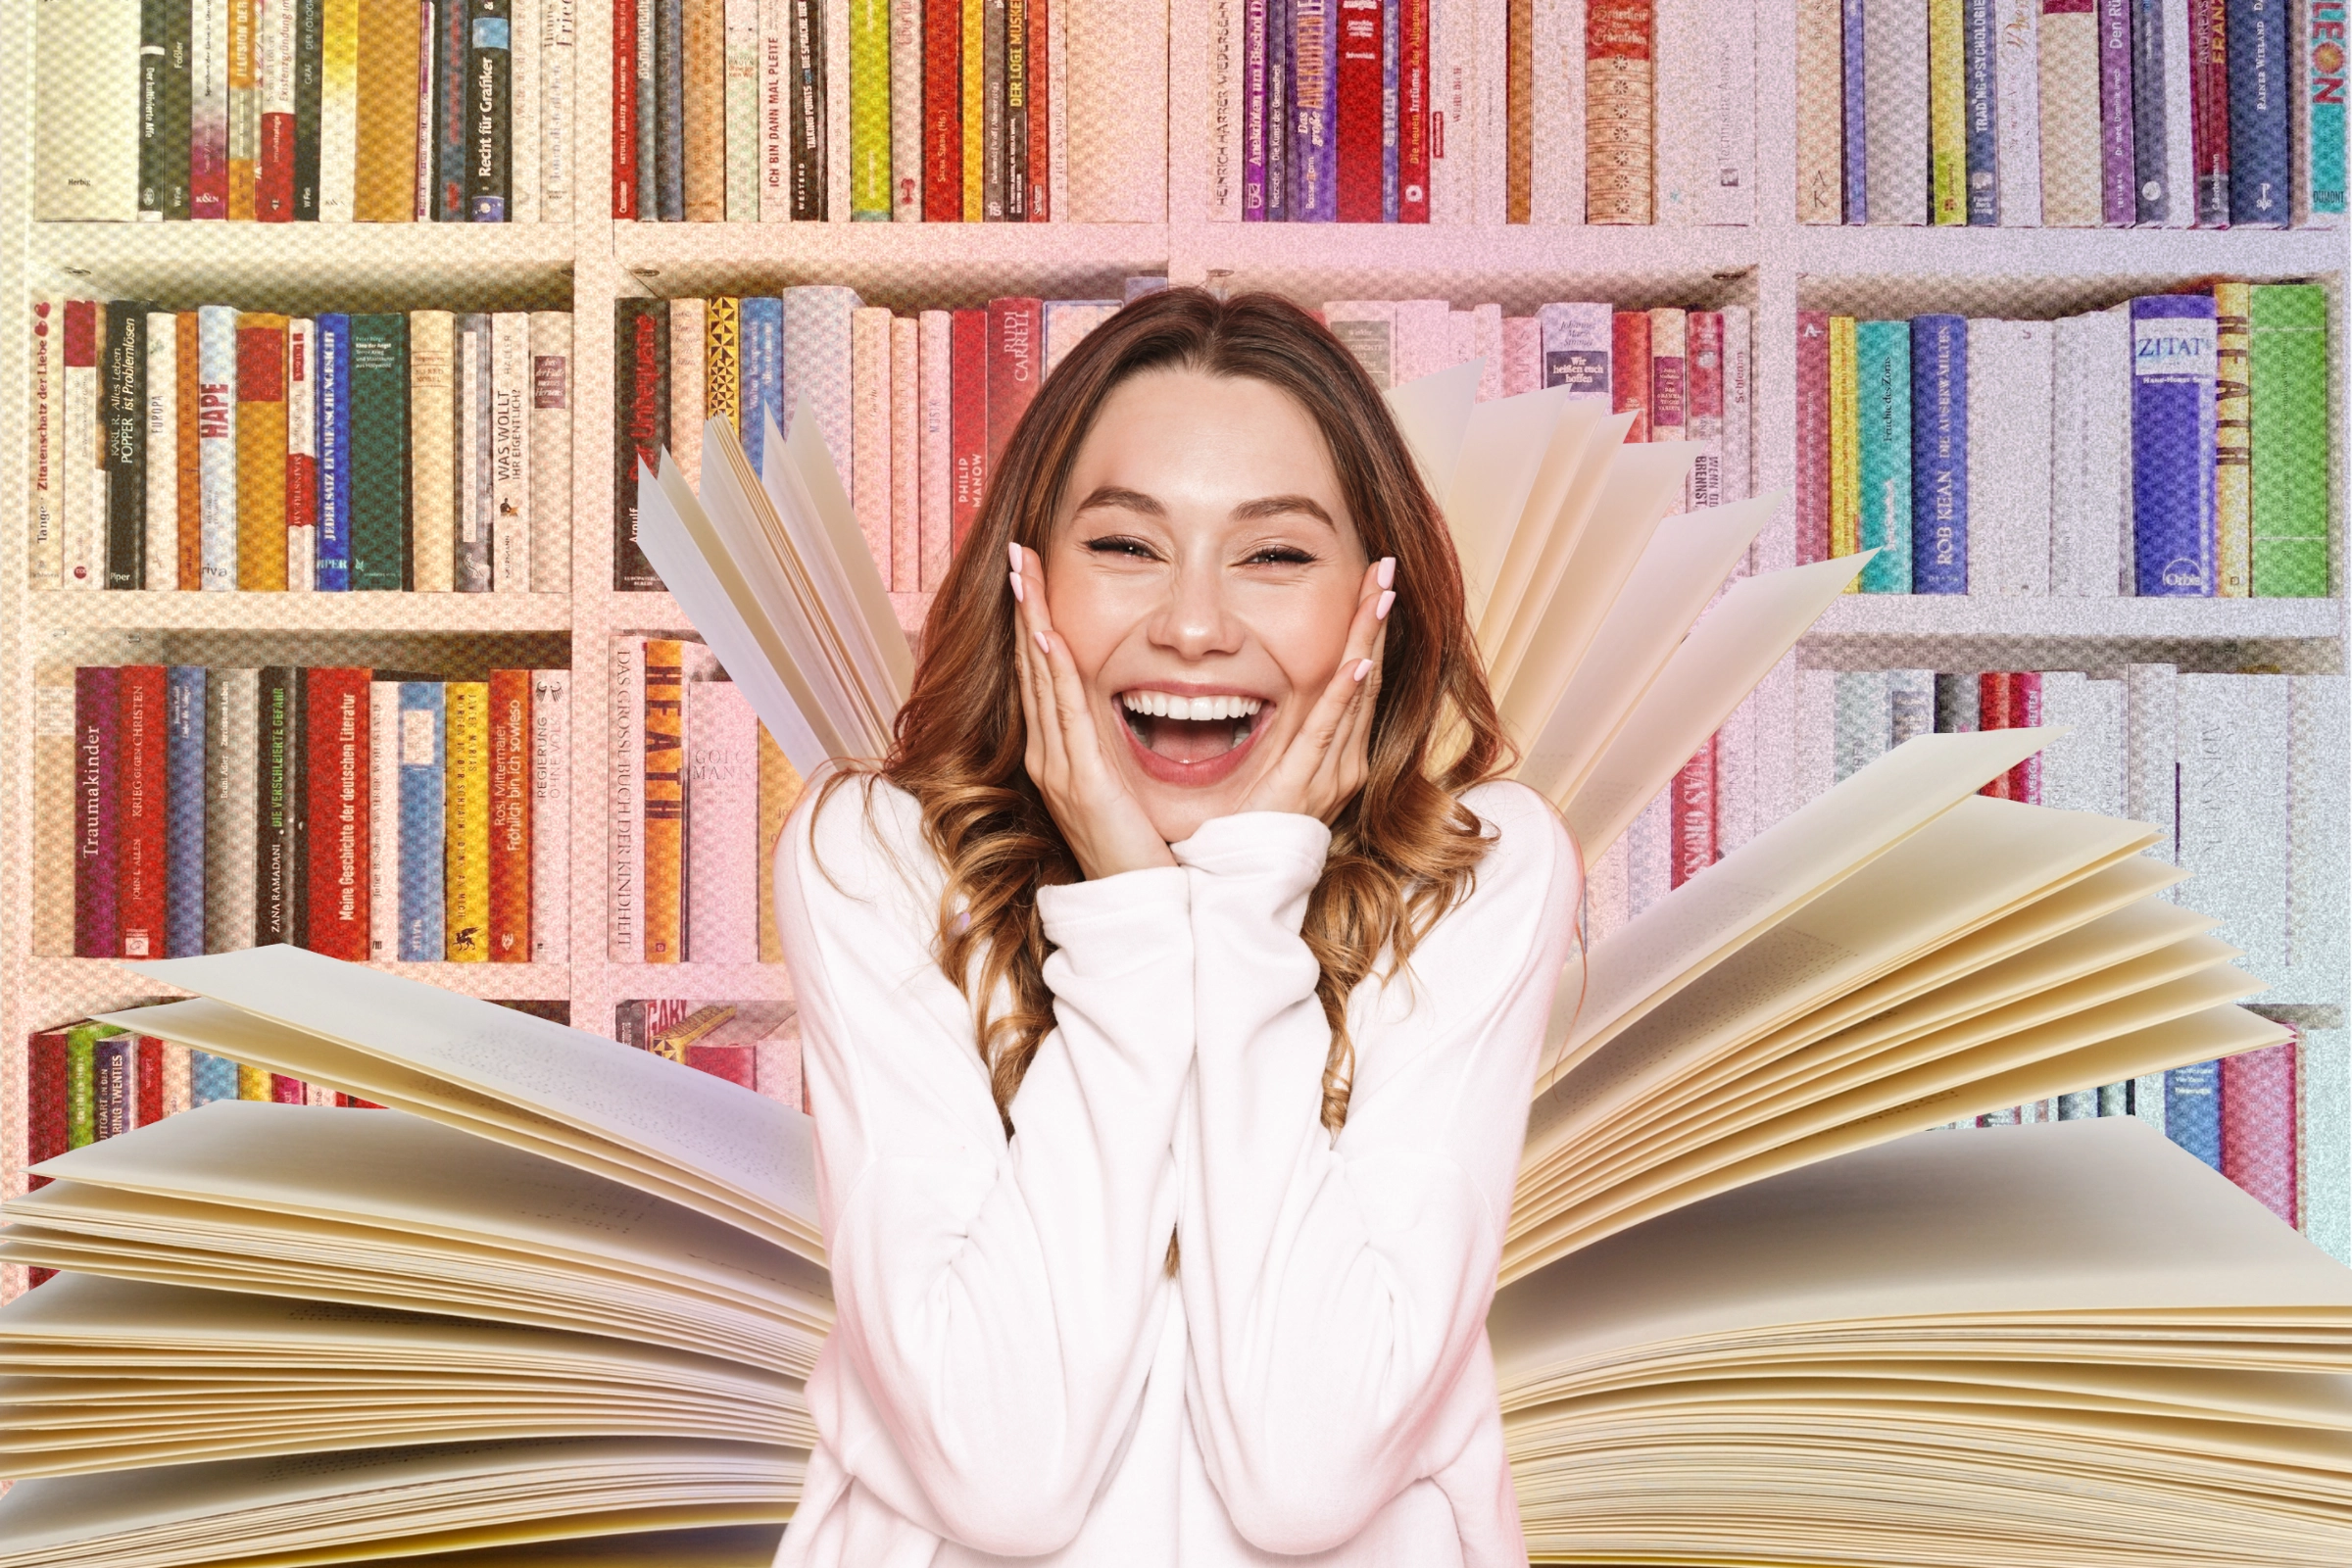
(1281, 555)
(1117, 544)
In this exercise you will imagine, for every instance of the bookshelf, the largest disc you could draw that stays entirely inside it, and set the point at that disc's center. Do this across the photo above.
(1770, 266)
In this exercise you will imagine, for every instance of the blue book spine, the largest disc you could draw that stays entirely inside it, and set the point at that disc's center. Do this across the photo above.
(1314, 111)
(183, 763)
(1857, 143)
(424, 752)
(2260, 92)
(489, 74)
(2153, 192)
(1388, 109)
(2192, 1109)
(1883, 411)
(1981, 35)
(2174, 357)
(209, 1078)
(334, 454)
(759, 356)
(1938, 455)
(669, 67)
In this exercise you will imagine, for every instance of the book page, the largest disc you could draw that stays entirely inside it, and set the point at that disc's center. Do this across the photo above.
(1503, 448)
(724, 1547)
(1559, 502)
(847, 581)
(1433, 411)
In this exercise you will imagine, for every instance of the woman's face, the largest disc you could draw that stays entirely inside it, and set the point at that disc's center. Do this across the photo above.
(1204, 570)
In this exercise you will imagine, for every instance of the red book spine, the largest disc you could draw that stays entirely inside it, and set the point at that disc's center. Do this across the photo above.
(2025, 712)
(509, 817)
(1812, 436)
(2208, 109)
(1412, 111)
(354, 1102)
(1692, 804)
(151, 1080)
(2259, 1150)
(335, 753)
(302, 468)
(1360, 150)
(47, 1101)
(943, 113)
(968, 418)
(1041, 126)
(1014, 360)
(737, 1064)
(273, 172)
(624, 110)
(143, 786)
(97, 915)
(285, 1090)
(1629, 370)
(1993, 692)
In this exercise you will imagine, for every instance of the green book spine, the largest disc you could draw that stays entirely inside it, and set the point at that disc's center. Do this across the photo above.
(81, 1081)
(2287, 368)
(869, 111)
(1883, 421)
(379, 452)
(281, 877)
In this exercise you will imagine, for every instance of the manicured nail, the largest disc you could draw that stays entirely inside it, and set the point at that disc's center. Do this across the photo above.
(1388, 571)
(1363, 667)
(1042, 645)
(1387, 601)
(1020, 595)
(1013, 552)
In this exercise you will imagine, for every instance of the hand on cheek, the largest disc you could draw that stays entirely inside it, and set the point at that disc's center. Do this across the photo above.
(1329, 758)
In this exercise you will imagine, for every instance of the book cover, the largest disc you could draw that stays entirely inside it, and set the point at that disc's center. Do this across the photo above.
(122, 434)
(232, 744)
(1883, 428)
(1845, 441)
(1896, 95)
(381, 460)
(470, 398)
(2009, 490)
(663, 797)
(143, 792)
(302, 454)
(2017, 111)
(336, 786)
(551, 817)
(2232, 443)
(2173, 375)
(759, 367)
(2286, 362)
(511, 745)
(2318, 115)
(1980, 44)
(2262, 86)
(723, 816)
(261, 444)
(466, 895)
(184, 717)
(1814, 446)
(489, 107)
(640, 425)
(624, 820)
(869, 469)
(280, 873)
(969, 422)
(510, 476)
(423, 742)
(384, 114)
(1630, 380)
(333, 446)
(2259, 1123)
(160, 555)
(1618, 141)
(97, 807)
(383, 821)
(1938, 455)
(551, 452)
(1947, 113)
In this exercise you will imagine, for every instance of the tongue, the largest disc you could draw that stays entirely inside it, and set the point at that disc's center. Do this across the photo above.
(1190, 740)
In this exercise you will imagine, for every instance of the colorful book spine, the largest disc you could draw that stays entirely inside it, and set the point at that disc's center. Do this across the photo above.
(81, 506)
(759, 367)
(2260, 1126)
(1358, 123)
(641, 425)
(991, 101)
(1845, 444)
(936, 484)
(453, 47)
(1618, 112)
(551, 452)
(664, 795)
(811, 118)
(2152, 190)
(869, 111)
(274, 88)
(2173, 376)
(97, 915)
(2209, 96)
(217, 443)
(423, 743)
(261, 451)
(2025, 712)
(551, 817)
(905, 456)
(45, 560)
(302, 454)
(870, 465)
(649, 96)
(158, 556)
(1013, 365)
(1016, 111)
(465, 914)
(2262, 88)
(1045, 108)
(2318, 118)
(1575, 341)
(383, 821)
(184, 716)
(509, 476)
(209, 1078)
(2232, 442)
(723, 790)
(1703, 383)
(1947, 112)
(188, 483)
(2073, 190)
(1883, 425)
(1630, 382)
(244, 109)
(1692, 824)
(123, 433)
(382, 460)
(1854, 109)
(1981, 107)
(2119, 202)
(231, 843)
(143, 790)
(1315, 105)
(49, 1098)
(943, 113)
(113, 1085)
(1278, 112)
(470, 396)
(208, 110)
(279, 800)
(337, 162)
(425, 123)
(1414, 110)
(779, 791)
(509, 816)
(968, 417)
(626, 112)
(489, 108)
(387, 95)
(1813, 440)
(624, 823)
(1938, 455)
(1820, 65)
(2288, 372)
(335, 712)
(2192, 1109)
(689, 398)
(1669, 375)
(332, 550)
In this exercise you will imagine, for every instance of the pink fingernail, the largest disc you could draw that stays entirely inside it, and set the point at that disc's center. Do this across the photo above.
(1020, 595)
(1386, 600)
(1043, 646)
(1363, 667)
(1388, 571)
(1013, 550)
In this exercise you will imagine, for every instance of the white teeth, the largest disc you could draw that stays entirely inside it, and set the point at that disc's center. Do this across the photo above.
(1164, 705)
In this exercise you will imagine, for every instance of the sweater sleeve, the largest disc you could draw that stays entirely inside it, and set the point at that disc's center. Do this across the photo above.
(998, 1303)
(1335, 1292)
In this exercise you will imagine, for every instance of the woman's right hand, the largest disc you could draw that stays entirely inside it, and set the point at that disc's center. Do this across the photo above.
(1104, 824)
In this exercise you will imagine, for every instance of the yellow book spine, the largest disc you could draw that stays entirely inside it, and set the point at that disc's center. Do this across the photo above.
(779, 792)
(384, 175)
(975, 91)
(261, 451)
(253, 1083)
(1947, 112)
(664, 800)
(2233, 442)
(1845, 444)
(465, 787)
(722, 368)
(244, 110)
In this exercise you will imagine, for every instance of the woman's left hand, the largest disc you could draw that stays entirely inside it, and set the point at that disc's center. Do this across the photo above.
(1327, 759)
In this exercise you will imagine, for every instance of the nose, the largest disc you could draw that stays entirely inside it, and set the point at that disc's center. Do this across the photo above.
(1194, 622)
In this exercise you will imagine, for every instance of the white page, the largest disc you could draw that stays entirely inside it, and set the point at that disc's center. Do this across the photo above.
(1433, 411)
(1559, 502)
(1505, 448)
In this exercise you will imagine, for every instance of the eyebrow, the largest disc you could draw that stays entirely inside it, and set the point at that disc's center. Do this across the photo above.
(1110, 495)
(1136, 500)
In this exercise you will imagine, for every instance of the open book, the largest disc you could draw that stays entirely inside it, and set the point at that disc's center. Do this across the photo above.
(1755, 1310)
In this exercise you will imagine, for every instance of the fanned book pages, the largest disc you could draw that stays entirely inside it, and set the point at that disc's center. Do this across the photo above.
(1755, 1307)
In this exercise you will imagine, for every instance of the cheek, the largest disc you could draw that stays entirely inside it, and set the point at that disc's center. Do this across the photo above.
(1307, 633)
(1090, 620)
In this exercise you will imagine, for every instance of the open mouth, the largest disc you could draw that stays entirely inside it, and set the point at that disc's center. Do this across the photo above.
(1190, 740)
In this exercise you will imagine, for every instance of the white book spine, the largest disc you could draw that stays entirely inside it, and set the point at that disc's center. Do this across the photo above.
(2017, 111)
(232, 716)
(906, 111)
(2324, 1140)
(1910, 705)
(742, 99)
(624, 821)
(1522, 355)
(1864, 727)
(383, 821)
(2317, 812)
(1577, 344)
(2072, 764)
(1454, 63)
(1558, 150)
(558, 105)
(1684, 50)
(85, 117)
(1736, 777)
(1485, 346)
(551, 817)
(837, 111)
(2180, 134)
(1424, 338)
(274, 56)
(1057, 114)
(81, 510)
(2105, 522)
(2151, 770)
(2009, 457)
(1650, 855)
(1894, 83)
(510, 452)
(1820, 29)
(1222, 31)
(434, 403)
(474, 561)
(1494, 111)
(217, 444)
(1740, 434)
(870, 432)
(775, 117)
(1606, 900)
(934, 329)
(2233, 810)
(1368, 328)
(163, 451)
(1461, 338)
(524, 35)
(905, 456)
(1730, 195)
(176, 1086)
(1777, 744)
(1115, 83)
(302, 441)
(689, 397)
(338, 110)
(722, 813)
(551, 452)
(44, 359)
(816, 363)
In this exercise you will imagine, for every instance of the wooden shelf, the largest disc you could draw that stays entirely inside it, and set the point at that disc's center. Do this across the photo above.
(166, 610)
(53, 989)
(1985, 615)
(2122, 252)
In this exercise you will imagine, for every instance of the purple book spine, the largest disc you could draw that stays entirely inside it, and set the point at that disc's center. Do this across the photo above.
(1314, 112)
(97, 932)
(1857, 116)
(2118, 172)
(114, 1085)
(2175, 357)
(1253, 112)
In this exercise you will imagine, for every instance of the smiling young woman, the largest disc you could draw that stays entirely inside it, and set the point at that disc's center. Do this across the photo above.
(1172, 996)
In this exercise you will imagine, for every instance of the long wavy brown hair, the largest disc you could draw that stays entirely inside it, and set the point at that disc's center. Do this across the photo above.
(1403, 852)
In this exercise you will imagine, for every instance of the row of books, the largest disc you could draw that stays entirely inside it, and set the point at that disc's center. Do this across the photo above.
(2166, 114)
(697, 796)
(182, 809)
(306, 111)
(225, 450)
(2176, 444)
(954, 111)
(756, 1045)
(913, 410)
(1459, 111)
